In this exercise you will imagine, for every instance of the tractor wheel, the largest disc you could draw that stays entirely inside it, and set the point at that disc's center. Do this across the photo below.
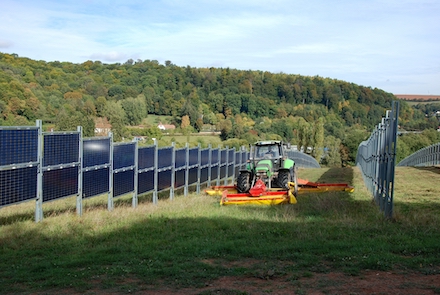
(284, 178)
(244, 182)
(295, 180)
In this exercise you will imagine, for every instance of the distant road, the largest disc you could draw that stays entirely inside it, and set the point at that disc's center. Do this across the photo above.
(417, 97)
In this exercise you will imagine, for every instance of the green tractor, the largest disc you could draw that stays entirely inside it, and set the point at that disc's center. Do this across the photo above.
(268, 161)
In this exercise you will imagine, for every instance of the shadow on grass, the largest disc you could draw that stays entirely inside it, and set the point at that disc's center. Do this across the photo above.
(337, 175)
(433, 169)
(323, 232)
(68, 205)
(194, 251)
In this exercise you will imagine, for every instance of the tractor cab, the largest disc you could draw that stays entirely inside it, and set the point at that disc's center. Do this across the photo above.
(267, 151)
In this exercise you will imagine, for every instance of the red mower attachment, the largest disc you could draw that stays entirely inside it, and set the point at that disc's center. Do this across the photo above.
(259, 194)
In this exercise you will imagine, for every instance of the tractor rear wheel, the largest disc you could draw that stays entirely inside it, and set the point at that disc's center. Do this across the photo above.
(284, 178)
(295, 180)
(244, 182)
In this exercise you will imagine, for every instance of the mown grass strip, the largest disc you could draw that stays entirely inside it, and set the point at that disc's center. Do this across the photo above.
(193, 240)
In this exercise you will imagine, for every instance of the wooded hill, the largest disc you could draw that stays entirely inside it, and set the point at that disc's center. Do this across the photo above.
(244, 105)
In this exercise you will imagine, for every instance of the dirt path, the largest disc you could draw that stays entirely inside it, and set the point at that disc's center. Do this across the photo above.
(371, 282)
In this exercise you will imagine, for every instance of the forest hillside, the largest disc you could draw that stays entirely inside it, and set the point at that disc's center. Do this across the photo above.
(323, 114)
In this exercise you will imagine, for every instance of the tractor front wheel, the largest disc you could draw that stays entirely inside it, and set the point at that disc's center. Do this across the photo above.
(244, 182)
(284, 178)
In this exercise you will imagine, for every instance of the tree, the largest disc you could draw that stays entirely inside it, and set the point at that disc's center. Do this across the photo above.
(215, 101)
(185, 122)
(353, 137)
(101, 101)
(89, 108)
(303, 135)
(225, 127)
(154, 132)
(135, 110)
(116, 91)
(69, 119)
(117, 118)
(232, 102)
(333, 156)
(318, 139)
(190, 110)
(199, 124)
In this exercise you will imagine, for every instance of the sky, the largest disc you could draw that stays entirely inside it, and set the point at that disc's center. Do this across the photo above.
(392, 45)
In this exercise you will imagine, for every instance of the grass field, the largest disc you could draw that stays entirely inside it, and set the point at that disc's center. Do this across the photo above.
(192, 241)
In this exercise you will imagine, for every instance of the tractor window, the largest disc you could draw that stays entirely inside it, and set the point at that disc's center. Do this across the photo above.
(267, 151)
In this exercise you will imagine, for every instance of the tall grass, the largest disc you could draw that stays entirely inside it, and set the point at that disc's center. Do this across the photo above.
(192, 240)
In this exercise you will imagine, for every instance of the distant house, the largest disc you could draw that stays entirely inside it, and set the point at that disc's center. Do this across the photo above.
(166, 127)
(102, 127)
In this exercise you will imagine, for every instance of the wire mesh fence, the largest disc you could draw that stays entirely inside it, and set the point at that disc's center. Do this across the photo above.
(428, 156)
(376, 159)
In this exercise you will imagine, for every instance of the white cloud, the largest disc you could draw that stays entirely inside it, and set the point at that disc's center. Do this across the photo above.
(112, 56)
(5, 43)
(372, 43)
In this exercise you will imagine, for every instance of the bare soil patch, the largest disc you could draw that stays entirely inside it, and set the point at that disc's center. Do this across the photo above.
(369, 282)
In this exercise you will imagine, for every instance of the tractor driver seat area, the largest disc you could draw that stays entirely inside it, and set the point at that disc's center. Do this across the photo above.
(268, 152)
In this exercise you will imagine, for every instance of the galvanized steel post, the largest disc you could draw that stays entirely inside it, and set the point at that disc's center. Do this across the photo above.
(79, 196)
(39, 197)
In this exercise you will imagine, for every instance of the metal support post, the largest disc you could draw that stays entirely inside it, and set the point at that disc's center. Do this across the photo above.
(173, 170)
(227, 166)
(134, 202)
(156, 173)
(234, 166)
(209, 165)
(219, 161)
(199, 169)
(110, 204)
(39, 197)
(185, 190)
(79, 196)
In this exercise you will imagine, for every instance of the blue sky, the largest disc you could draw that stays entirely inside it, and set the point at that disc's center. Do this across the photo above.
(393, 45)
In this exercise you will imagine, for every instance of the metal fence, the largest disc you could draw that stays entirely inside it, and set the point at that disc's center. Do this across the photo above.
(303, 160)
(47, 166)
(428, 156)
(376, 159)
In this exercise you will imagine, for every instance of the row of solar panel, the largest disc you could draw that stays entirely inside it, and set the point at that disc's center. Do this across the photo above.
(67, 158)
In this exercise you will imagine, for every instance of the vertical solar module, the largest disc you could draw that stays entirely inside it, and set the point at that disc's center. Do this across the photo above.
(96, 166)
(146, 169)
(165, 166)
(223, 163)
(18, 164)
(60, 165)
(180, 167)
(123, 168)
(18, 146)
(215, 163)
